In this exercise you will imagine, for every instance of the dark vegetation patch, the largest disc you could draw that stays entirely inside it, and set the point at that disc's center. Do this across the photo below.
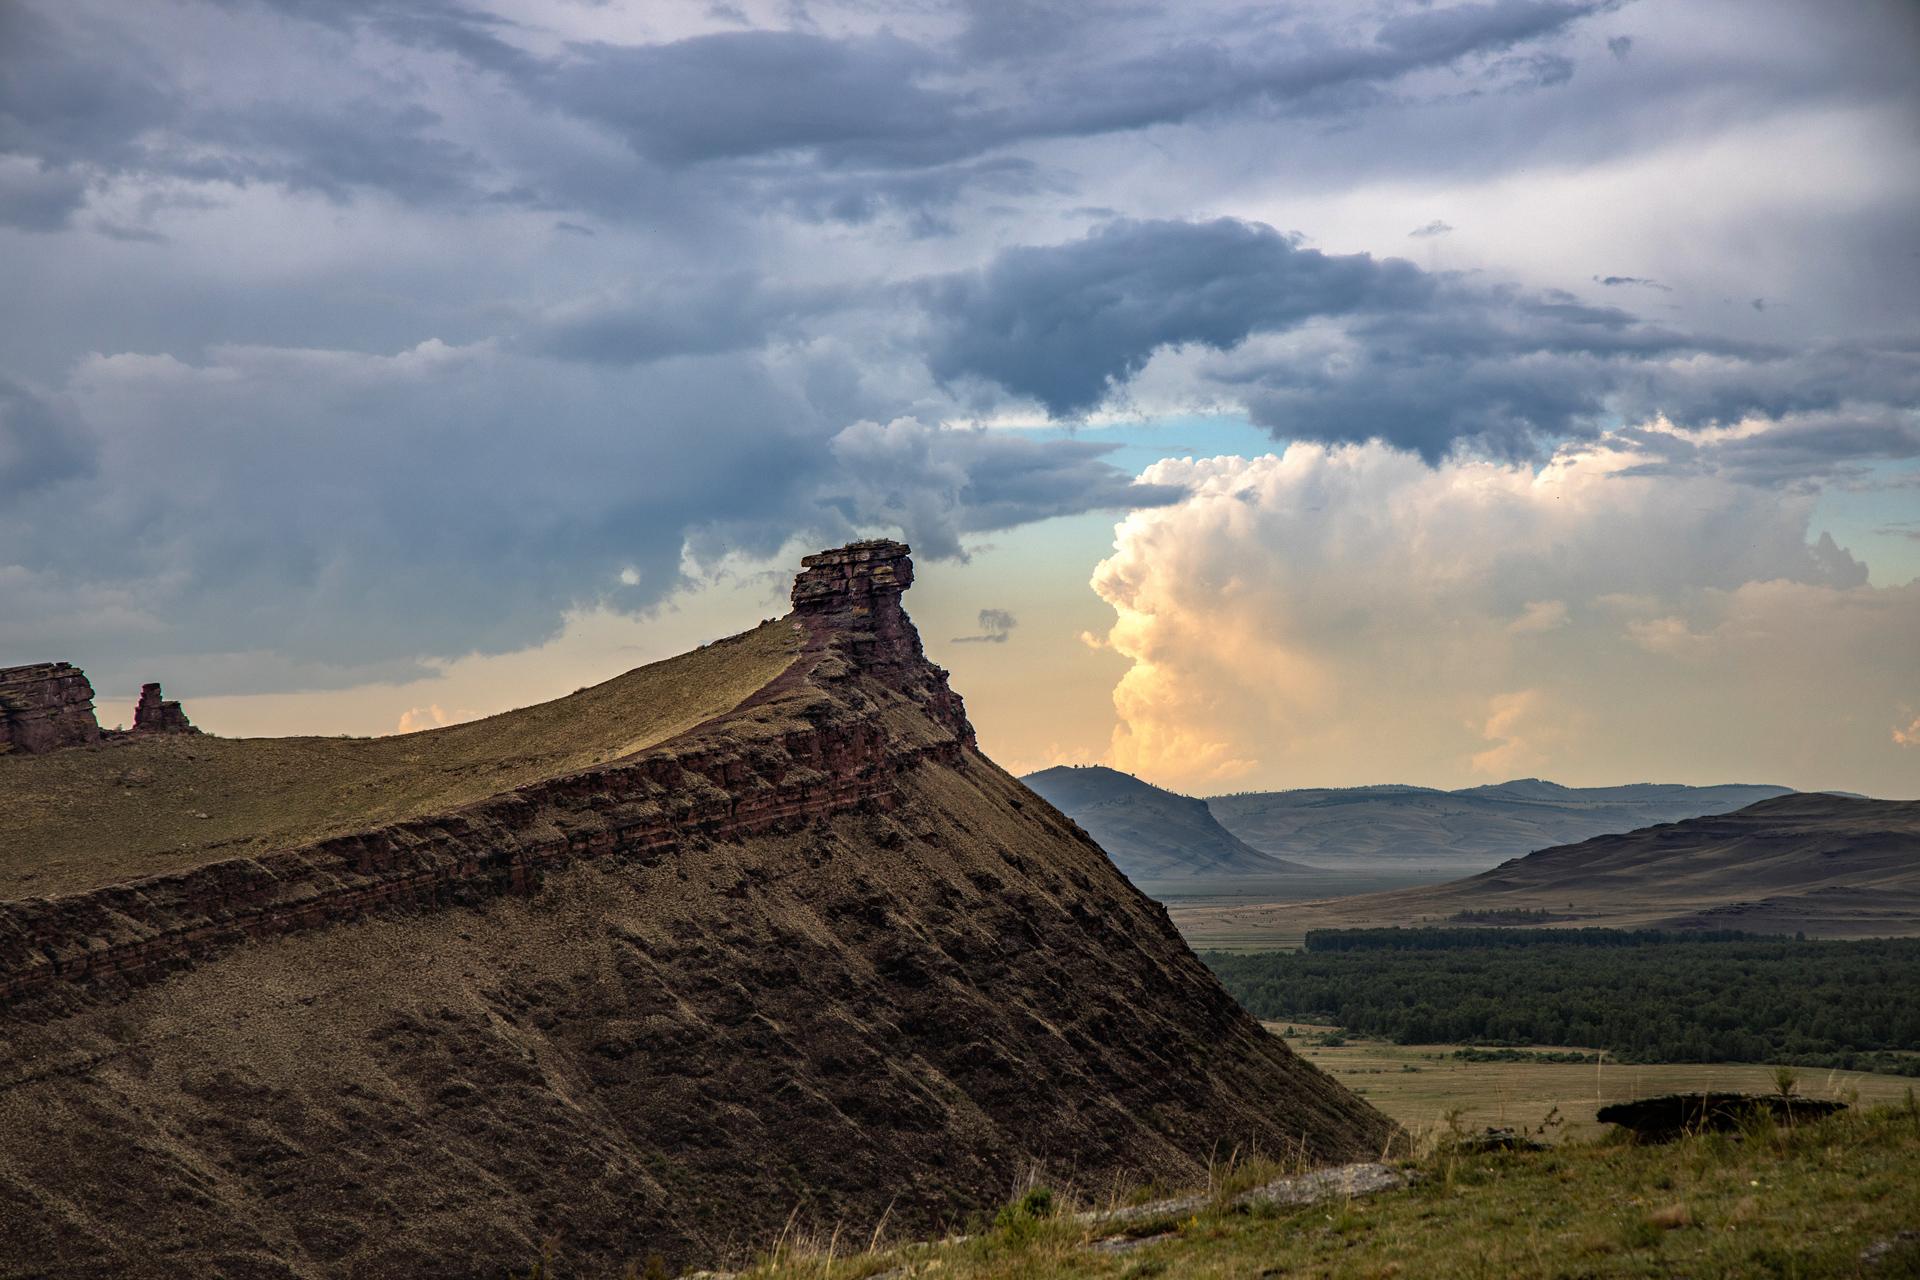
(1640, 996)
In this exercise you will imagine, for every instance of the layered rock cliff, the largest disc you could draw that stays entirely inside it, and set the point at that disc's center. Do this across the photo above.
(815, 956)
(45, 706)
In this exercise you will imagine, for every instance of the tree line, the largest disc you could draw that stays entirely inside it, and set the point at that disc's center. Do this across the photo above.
(1641, 996)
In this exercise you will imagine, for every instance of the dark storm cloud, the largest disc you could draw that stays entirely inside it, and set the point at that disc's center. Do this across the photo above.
(622, 247)
(1616, 282)
(34, 197)
(335, 151)
(877, 100)
(1068, 323)
(1799, 449)
(323, 518)
(703, 316)
(995, 626)
(829, 114)
(1423, 361)
(40, 442)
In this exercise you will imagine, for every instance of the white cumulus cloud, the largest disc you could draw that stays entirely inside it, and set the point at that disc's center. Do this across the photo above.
(1330, 615)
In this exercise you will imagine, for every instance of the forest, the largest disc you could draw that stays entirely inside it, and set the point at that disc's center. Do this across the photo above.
(1638, 996)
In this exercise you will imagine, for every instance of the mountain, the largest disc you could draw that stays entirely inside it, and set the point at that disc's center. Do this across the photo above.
(1408, 828)
(1152, 834)
(750, 938)
(1826, 865)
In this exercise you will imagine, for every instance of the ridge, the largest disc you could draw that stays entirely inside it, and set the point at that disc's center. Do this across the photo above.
(825, 736)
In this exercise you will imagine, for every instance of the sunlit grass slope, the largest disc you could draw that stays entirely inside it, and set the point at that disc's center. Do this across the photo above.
(1835, 1198)
(78, 819)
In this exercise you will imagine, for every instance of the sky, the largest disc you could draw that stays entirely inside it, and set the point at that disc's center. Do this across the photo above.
(1274, 395)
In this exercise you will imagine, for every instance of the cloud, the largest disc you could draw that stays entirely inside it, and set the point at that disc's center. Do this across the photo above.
(1615, 282)
(1066, 324)
(283, 518)
(709, 315)
(942, 482)
(1301, 614)
(784, 105)
(995, 626)
(1539, 616)
(431, 716)
(38, 197)
(1521, 729)
(1431, 229)
(41, 443)
(1348, 347)
(1909, 736)
(1620, 46)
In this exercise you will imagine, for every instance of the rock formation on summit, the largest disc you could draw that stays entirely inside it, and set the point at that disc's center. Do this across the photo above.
(154, 714)
(45, 706)
(752, 936)
(48, 706)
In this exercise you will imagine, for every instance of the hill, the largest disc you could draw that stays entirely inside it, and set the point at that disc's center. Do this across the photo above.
(1150, 833)
(750, 937)
(1401, 828)
(1826, 865)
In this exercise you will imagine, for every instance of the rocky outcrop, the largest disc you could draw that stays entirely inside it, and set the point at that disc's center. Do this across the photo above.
(45, 706)
(154, 714)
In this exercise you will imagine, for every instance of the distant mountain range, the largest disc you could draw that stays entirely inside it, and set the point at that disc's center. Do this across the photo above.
(1153, 834)
(1408, 828)
(1828, 865)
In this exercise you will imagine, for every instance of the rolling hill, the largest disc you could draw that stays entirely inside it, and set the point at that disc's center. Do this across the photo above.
(1401, 828)
(1826, 865)
(1153, 834)
(754, 937)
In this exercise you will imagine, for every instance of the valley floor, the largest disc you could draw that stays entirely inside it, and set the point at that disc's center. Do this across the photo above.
(1420, 1084)
(1835, 1198)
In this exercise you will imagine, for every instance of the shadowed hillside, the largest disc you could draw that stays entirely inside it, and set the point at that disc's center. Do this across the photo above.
(813, 956)
(1417, 828)
(1827, 865)
(1150, 833)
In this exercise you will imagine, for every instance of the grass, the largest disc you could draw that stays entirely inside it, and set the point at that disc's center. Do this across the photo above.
(1419, 1085)
(79, 819)
(1802, 1202)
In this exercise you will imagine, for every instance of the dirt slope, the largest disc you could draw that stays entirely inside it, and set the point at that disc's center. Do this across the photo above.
(870, 974)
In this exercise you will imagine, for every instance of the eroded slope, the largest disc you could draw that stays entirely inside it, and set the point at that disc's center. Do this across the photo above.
(817, 953)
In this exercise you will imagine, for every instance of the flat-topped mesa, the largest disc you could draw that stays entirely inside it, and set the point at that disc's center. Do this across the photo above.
(849, 599)
(155, 714)
(45, 706)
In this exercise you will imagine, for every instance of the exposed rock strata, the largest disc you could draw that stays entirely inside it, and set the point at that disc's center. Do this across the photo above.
(155, 714)
(816, 957)
(45, 706)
